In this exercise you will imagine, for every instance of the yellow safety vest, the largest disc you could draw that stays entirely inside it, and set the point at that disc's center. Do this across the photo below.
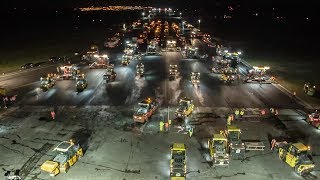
(241, 113)
(236, 112)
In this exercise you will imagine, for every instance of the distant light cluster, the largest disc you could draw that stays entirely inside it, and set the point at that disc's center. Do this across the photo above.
(114, 8)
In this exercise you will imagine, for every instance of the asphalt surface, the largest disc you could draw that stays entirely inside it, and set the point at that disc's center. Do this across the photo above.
(116, 148)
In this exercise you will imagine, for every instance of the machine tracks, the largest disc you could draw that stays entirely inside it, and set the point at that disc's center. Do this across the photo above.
(30, 164)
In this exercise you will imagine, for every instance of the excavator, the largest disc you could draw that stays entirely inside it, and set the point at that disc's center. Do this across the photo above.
(185, 108)
(178, 167)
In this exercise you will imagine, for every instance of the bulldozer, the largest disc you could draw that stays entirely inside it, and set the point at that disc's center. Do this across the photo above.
(296, 156)
(218, 148)
(237, 148)
(81, 83)
(67, 154)
(178, 167)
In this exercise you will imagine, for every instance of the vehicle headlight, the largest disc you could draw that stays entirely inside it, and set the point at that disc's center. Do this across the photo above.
(314, 86)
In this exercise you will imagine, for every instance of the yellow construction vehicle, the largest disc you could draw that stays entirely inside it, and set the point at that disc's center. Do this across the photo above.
(2, 91)
(67, 154)
(236, 146)
(46, 83)
(296, 156)
(185, 108)
(178, 168)
(218, 148)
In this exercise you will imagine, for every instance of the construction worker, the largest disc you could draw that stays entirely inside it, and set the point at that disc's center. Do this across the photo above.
(272, 110)
(161, 126)
(53, 115)
(169, 121)
(236, 113)
(229, 120)
(190, 131)
(272, 144)
(276, 112)
(263, 112)
(167, 126)
(241, 113)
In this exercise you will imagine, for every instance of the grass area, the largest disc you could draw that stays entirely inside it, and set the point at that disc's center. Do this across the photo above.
(46, 45)
(292, 73)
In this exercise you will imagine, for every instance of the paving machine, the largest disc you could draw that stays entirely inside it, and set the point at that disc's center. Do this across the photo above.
(195, 79)
(296, 156)
(125, 60)
(258, 74)
(81, 83)
(99, 62)
(309, 89)
(218, 148)
(140, 70)
(69, 72)
(237, 148)
(227, 78)
(173, 71)
(185, 108)
(110, 74)
(46, 83)
(192, 52)
(178, 167)
(67, 153)
(145, 110)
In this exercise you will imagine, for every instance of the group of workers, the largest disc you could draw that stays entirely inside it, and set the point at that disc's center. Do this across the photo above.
(165, 126)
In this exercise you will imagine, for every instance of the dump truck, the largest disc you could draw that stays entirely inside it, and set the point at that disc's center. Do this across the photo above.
(173, 71)
(218, 148)
(237, 148)
(99, 61)
(46, 83)
(110, 74)
(227, 78)
(296, 156)
(178, 167)
(140, 70)
(309, 89)
(185, 108)
(146, 109)
(67, 153)
(81, 83)
(195, 79)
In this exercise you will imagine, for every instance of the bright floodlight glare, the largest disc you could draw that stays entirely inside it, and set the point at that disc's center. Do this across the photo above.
(105, 56)
(127, 42)
(239, 52)
(180, 13)
(143, 14)
(96, 56)
(225, 51)
(199, 21)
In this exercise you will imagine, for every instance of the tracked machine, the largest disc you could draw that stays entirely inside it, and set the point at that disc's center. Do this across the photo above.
(178, 167)
(218, 148)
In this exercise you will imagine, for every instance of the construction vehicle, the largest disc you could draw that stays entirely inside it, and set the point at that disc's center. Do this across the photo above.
(69, 72)
(81, 83)
(89, 56)
(125, 60)
(46, 83)
(110, 74)
(2, 91)
(185, 108)
(314, 119)
(192, 52)
(296, 156)
(99, 62)
(171, 45)
(309, 89)
(5, 98)
(173, 71)
(195, 79)
(67, 153)
(152, 47)
(140, 70)
(178, 166)
(237, 148)
(218, 148)
(227, 78)
(145, 110)
(258, 74)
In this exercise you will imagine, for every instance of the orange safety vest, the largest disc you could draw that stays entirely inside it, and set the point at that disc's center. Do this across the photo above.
(53, 114)
(263, 112)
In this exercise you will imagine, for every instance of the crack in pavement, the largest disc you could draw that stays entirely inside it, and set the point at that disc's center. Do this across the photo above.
(15, 151)
(110, 168)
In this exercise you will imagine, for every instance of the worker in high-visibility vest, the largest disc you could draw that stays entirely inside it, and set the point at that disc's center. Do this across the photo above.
(241, 113)
(169, 121)
(229, 119)
(161, 126)
(236, 113)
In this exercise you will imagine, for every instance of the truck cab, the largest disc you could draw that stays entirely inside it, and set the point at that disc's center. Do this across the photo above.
(178, 167)
(125, 60)
(81, 84)
(185, 108)
(110, 74)
(314, 119)
(195, 79)
(309, 89)
(218, 147)
(173, 71)
(46, 83)
(145, 110)
(140, 70)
